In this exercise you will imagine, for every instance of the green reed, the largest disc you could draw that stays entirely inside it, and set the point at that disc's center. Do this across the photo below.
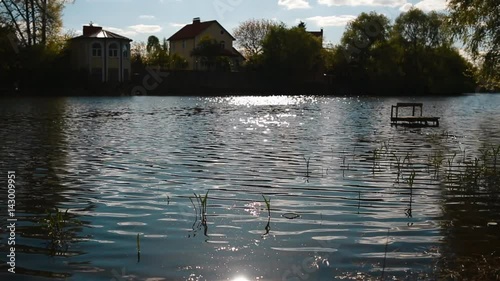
(436, 160)
(375, 157)
(268, 204)
(410, 181)
(138, 242)
(385, 255)
(450, 166)
(398, 165)
(307, 165)
(201, 215)
(57, 223)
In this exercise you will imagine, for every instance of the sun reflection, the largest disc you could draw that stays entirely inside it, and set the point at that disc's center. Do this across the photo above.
(241, 278)
(268, 100)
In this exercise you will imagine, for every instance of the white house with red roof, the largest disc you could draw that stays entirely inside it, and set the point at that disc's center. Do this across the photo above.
(103, 54)
(186, 39)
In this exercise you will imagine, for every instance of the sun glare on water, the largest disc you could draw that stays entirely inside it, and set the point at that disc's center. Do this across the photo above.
(240, 278)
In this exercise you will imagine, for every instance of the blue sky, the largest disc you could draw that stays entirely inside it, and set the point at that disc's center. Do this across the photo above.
(138, 19)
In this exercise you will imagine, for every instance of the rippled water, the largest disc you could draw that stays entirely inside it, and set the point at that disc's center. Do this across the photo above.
(134, 165)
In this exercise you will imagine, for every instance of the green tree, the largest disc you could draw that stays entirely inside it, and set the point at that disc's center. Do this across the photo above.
(291, 52)
(209, 52)
(157, 53)
(177, 62)
(36, 22)
(415, 55)
(419, 34)
(363, 34)
(477, 24)
(153, 44)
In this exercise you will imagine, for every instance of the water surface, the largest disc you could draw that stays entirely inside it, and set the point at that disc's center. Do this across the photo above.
(133, 165)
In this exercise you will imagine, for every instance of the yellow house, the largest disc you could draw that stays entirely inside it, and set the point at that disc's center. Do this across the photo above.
(104, 54)
(186, 39)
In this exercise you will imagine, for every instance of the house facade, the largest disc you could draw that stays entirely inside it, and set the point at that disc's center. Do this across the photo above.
(184, 41)
(103, 54)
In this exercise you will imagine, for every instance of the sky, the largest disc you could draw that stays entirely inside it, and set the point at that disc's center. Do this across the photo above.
(138, 19)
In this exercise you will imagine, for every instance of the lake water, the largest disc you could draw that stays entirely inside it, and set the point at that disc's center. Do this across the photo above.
(128, 167)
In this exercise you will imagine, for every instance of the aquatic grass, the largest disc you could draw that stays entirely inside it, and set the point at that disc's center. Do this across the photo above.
(398, 166)
(436, 160)
(374, 159)
(407, 159)
(202, 202)
(385, 255)
(463, 152)
(138, 242)
(410, 181)
(201, 213)
(359, 200)
(385, 147)
(343, 157)
(268, 205)
(307, 166)
(267, 201)
(495, 152)
(56, 223)
(450, 167)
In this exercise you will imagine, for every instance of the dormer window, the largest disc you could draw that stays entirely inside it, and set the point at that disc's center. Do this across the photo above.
(113, 50)
(96, 50)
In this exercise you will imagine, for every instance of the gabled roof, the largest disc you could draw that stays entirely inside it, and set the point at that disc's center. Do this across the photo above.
(103, 34)
(194, 29)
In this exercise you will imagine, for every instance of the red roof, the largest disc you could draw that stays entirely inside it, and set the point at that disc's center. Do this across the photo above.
(192, 30)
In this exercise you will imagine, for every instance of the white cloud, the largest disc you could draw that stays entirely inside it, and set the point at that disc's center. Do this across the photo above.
(120, 31)
(331, 20)
(431, 5)
(406, 7)
(294, 4)
(147, 17)
(425, 5)
(176, 24)
(388, 3)
(144, 28)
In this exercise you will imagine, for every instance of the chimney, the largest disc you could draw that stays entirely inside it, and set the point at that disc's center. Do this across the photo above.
(91, 29)
(196, 21)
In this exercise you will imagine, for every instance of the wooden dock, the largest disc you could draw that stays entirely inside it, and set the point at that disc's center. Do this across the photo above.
(412, 120)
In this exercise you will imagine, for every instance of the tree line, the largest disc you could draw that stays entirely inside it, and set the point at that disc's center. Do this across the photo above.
(32, 46)
(415, 53)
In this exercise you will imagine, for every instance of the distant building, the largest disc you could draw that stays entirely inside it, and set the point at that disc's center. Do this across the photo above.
(186, 39)
(317, 34)
(104, 54)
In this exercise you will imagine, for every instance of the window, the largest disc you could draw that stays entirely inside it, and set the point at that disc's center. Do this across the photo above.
(222, 44)
(96, 50)
(125, 51)
(184, 44)
(113, 50)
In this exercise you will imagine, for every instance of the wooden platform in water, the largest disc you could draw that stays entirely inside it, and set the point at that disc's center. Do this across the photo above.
(412, 120)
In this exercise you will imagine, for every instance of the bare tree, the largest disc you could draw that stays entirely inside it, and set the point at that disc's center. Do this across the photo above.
(35, 21)
(250, 35)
